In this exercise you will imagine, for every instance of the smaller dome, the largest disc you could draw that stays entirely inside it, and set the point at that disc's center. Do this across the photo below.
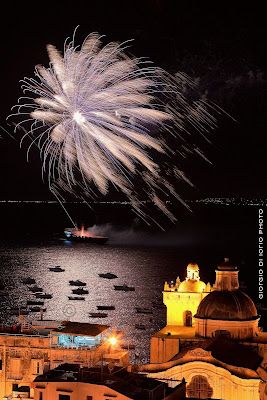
(193, 267)
(192, 286)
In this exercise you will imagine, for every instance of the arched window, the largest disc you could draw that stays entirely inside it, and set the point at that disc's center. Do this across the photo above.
(188, 318)
(199, 388)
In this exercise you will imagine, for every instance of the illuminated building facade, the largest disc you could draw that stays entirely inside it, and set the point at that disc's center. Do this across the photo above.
(182, 300)
(29, 350)
(224, 353)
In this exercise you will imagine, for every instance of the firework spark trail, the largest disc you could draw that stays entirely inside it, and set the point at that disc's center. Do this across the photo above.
(93, 110)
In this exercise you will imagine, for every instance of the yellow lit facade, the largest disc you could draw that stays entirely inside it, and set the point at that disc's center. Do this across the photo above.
(212, 339)
(182, 298)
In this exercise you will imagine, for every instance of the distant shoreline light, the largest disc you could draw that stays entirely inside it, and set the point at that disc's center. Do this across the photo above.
(209, 200)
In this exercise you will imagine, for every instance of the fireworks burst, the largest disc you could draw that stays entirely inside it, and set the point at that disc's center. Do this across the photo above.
(93, 111)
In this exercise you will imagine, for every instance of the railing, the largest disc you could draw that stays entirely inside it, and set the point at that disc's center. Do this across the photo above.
(21, 334)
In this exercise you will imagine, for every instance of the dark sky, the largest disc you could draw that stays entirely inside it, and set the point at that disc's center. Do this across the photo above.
(223, 47)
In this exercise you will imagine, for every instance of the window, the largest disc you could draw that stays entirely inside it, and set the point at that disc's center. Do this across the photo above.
(0, 365)
(14, 369)
(40, 395)
(15, 387)
(63, 397)
(199, 388)
(37, 367)
(89, 398)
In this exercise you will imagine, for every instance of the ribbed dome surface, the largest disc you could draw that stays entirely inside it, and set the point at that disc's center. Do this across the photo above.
(227, 305)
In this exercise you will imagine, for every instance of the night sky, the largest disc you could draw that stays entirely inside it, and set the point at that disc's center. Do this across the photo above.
(222, 46)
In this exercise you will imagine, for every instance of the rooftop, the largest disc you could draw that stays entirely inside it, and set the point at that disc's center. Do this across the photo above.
(229, 352)
(177, 332)
(81, 329)
(136, 386)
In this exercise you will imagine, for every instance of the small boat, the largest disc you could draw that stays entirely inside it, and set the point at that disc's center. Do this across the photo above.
(35, 289)
(43, 296)
(80, 291)
(28, 281)
(76, 298)
(143, 310)
(105, 307)
(124, 287)
(108, 275)
(140, 326)
(57, 269)
(98, 315)
(35, 303)
(37, 309)
(77, 283)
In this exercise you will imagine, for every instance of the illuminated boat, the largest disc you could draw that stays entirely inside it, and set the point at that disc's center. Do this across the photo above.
(83, 235)
(124, 287)
(108, 275)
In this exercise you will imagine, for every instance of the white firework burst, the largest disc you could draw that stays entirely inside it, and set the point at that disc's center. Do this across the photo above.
(94, 110)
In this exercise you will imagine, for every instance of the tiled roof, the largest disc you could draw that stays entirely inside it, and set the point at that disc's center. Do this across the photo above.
(83, 329)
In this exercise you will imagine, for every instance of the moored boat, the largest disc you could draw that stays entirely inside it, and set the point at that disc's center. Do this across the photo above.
(105, 307)
(108, 275)
(57, 269)
(35, 289)
(80, 291)
(124, 287)
(77, 283)
(43, 296)
(98, 315)
(76, 298)
(35, 303)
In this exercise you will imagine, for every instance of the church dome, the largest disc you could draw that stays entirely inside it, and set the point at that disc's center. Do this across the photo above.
(193, 267)
(192, 286)
(227, 305)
